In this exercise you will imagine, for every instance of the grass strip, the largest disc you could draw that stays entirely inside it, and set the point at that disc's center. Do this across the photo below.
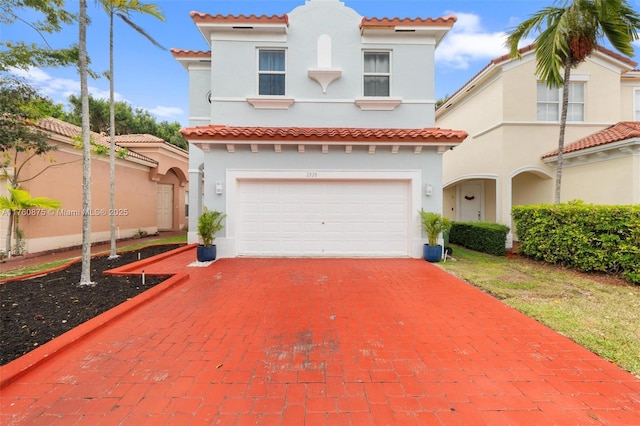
(598, 312)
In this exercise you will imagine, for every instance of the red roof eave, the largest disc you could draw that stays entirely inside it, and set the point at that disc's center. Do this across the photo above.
(618, 132)
(314, 134)
(190, 54)
(199, 17)
(392, 23)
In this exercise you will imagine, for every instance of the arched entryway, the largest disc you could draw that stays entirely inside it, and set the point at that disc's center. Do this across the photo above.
(528, 185)
(171, 204)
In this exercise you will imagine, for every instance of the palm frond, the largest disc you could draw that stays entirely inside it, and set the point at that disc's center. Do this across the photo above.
(140, 30)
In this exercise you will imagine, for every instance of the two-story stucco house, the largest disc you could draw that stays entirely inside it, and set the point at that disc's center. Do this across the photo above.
(313, 131)
(513, 119)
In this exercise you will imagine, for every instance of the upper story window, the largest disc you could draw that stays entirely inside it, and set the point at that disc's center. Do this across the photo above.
(377, 73)
(271, 72)
(636, 105)
(549, 102)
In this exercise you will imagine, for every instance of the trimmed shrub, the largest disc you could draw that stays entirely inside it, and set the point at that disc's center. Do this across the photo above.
(583, 236)
(480, 236)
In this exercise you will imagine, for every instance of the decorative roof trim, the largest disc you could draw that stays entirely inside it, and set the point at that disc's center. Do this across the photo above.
(190, 54)
(317, 135)
(398, 23)
(199, 17)
(622, 131)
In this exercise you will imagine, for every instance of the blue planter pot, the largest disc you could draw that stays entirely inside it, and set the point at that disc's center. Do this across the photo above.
(206, 254)
(432, 253)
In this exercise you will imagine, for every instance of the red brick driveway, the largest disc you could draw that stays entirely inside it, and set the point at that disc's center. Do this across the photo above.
(320, 341)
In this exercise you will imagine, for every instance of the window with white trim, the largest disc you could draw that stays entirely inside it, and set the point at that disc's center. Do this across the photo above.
(271, 72)
(377, 73)
(636, 104)
(549, 102)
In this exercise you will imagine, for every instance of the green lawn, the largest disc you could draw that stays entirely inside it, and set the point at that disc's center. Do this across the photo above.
(51, 265)
(600, 313)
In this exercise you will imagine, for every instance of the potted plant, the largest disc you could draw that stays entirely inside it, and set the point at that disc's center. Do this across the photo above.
(209, 222)
(433, 224)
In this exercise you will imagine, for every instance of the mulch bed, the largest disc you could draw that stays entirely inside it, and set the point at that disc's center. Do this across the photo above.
(37, 310)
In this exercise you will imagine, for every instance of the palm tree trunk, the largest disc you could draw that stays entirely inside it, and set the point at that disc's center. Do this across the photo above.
(112, 144)
(85, 274)
(563, 126)
(10, 232)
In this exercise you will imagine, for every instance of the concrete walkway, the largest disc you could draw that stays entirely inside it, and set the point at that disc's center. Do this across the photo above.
(317, 341)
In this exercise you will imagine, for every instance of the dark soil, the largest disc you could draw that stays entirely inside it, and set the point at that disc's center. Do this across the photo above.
(36, 310)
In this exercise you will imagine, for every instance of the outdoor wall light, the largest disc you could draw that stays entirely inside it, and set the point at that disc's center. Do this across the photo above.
(428, 190)
(219, 187)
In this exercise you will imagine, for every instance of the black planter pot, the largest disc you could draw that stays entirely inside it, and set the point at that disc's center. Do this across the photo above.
(206, 254)
(432, 253)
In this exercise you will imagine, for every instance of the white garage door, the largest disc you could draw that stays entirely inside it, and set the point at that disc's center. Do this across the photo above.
(323, 218)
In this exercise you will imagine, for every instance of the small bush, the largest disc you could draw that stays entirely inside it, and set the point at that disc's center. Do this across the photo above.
(591, 238)
(480, 236)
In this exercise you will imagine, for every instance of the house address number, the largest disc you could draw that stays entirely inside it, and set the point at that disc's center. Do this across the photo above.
(312, 174)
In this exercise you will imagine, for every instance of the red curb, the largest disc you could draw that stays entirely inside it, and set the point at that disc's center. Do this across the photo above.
(19, 367)
(130, 267)
(71, 262)
(37, 274)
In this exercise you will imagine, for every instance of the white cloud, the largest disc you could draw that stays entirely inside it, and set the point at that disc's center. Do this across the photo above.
(59, 89)
(468, 41)
(166, 112)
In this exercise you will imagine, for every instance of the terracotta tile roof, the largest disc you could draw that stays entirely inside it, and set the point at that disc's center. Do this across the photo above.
(62, 128)
(184, 53)
(407, 22)
(616, 133)
(199, 17)
(139, 138)
(53, 125)
(312, 134)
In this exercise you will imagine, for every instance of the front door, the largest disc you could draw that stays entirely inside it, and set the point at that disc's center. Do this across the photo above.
(470, 201)
(165, 206)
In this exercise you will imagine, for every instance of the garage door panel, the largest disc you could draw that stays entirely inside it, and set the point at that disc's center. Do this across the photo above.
(320, 218)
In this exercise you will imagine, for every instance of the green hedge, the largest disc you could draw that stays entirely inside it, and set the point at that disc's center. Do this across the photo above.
(480, 236)
(583, 236)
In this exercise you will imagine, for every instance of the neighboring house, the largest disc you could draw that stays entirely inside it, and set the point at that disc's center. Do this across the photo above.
(151, 181)
(313, 131)
(513, 123)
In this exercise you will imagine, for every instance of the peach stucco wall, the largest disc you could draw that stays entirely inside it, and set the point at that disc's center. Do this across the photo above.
(135, 201)
(135, 195)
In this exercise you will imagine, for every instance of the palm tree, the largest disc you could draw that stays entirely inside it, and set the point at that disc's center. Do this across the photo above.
(568, 34)
(85, 273)
(20, 200)
(122, 8)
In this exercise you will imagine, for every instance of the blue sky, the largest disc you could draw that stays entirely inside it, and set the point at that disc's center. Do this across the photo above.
(149, 78)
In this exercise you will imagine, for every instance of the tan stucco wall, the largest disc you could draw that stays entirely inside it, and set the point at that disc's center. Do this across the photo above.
(449, 203)
(627, 100)
(511, 146)
(604, 182)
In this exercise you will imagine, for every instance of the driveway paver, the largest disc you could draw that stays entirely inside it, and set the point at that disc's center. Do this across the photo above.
(321, 341)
